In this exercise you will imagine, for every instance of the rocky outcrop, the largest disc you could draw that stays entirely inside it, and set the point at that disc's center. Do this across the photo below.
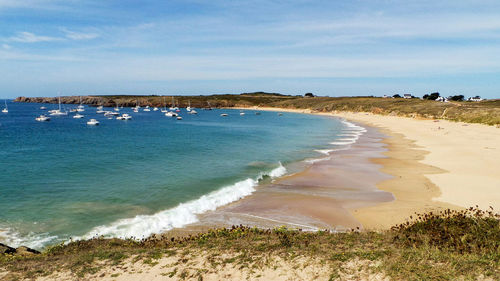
(20, 251)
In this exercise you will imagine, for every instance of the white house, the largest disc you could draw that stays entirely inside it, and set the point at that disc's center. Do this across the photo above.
(407, 96)
(442, 99)
(476, 98)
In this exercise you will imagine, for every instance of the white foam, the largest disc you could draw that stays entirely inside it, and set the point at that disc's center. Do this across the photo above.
(324, 151)
(315, 160)
(143, 226)
(14, 239)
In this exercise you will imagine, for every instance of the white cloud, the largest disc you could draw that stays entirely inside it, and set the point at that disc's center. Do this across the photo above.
(6, 47)
(28, 37)
(73, 35)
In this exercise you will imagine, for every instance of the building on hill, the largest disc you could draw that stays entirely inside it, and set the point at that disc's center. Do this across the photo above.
(442, 99)
(407, 96)
(476, 98)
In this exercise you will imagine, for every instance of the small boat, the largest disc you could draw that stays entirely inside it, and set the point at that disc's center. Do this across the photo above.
(93, 122)
(100, 107)
(6, 109)
(242, 113)
(280, 114)
(192, 111)
(155, 109)
(100, 111)
(80, 108)
(135, 109)
(42, 118)
(58, 112)
(188, 109)
(171, 114)
(43, 107)
(111, 113)
(146, 108)
(223, 114)
(257, 113)
(179, 118)
(116, 108)
(78, 116)
(73, 110)
(124, 116)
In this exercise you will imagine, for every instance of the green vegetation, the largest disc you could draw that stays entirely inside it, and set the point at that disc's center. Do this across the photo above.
(485, 112)
(451, 245)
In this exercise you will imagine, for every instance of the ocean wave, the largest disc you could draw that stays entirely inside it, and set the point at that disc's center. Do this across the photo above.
(143, 226)
(15, 239)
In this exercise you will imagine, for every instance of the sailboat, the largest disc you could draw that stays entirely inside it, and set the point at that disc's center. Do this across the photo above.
(58, 112)
(117, 108)
(80, 108)
(172, 107)
(189, 107)
(165, 106)
(6, 109)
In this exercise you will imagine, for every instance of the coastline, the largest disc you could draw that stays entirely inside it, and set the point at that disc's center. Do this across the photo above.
(435, 165)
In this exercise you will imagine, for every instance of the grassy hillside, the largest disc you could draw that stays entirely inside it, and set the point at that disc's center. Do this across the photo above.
(452, 245)
(486, 112)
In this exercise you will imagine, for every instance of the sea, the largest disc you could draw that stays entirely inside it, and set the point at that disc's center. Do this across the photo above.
(65, 180)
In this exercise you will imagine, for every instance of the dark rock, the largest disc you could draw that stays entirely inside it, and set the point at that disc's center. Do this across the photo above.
(5, 250)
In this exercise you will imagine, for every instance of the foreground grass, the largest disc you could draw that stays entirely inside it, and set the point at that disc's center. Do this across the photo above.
(446, 246)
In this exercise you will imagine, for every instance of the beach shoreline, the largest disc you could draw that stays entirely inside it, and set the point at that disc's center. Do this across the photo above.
(435, 164)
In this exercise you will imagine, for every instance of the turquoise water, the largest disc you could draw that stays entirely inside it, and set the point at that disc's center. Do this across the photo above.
(63, 178)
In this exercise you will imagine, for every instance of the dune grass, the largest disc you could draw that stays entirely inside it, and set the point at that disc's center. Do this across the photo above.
(449, 245)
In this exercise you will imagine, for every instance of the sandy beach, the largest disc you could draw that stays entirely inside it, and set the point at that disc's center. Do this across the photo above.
(435, 164)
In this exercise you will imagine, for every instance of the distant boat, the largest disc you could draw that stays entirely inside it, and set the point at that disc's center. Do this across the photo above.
(80, 108)
(58, 112)
(147, 108)
(223, 114)
(124, 116)
(111, 113)
(43, 107)
(189, 107)
(42, 118)
(164, 106)
(93, 122)
(257, 113)
(242, 113)
(192, 111)
(6, 109)
(155, 109)
(117, 108)
(172, 107)
(171, 114)
(179, 118)
(280, 114)
(78, 116)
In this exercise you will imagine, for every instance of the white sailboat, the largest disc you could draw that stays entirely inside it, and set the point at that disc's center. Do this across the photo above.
(42, 118)
(189, 107)
(93, 122)
(80, 107)
(124, 116)
(78, 116)
(6, 109)
(164, 110)
(58, 112)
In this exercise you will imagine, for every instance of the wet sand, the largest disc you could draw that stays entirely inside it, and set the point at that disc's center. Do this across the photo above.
(320, 197)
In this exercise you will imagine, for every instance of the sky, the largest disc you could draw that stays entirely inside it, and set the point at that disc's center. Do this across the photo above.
(334, 48)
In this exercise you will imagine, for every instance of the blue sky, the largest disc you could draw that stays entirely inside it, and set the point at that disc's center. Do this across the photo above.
(335, 48)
